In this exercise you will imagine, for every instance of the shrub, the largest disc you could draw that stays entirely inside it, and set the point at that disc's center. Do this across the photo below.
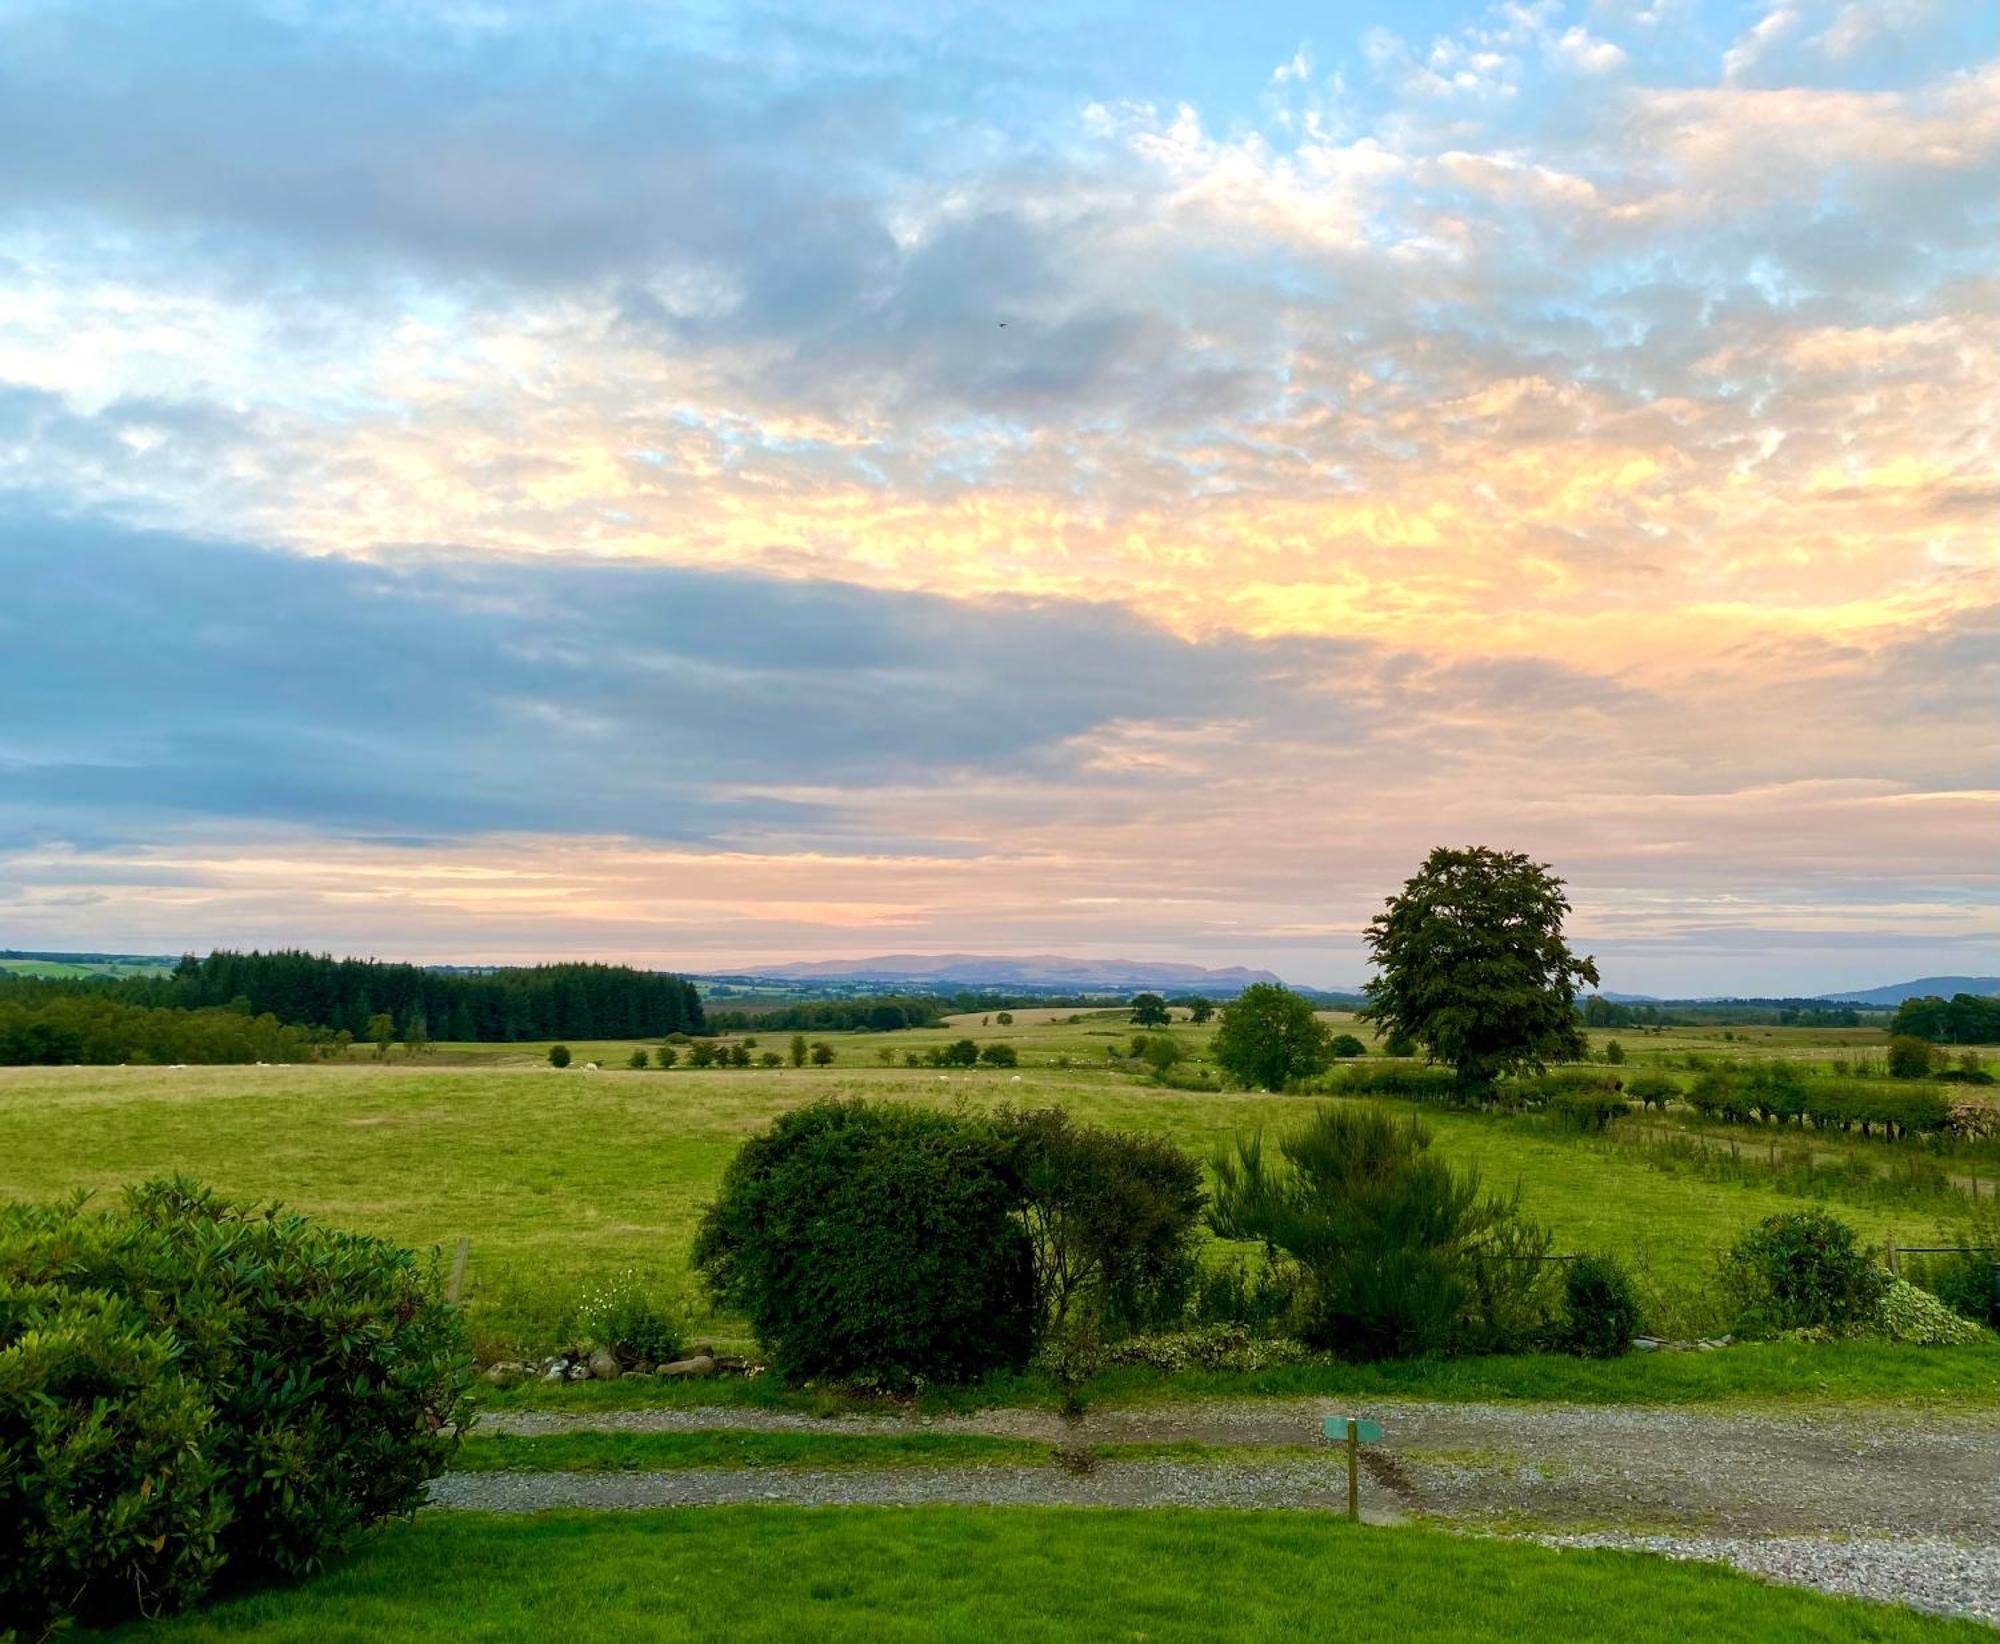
(666, 1056)
(1388, 1238)
(1651, 1090)
(1005, 1018)
(1000, 1055)
(1399, 1044)
(1600, 1307)
(1964, 1280)
(337, 1372)
(1263, 1301)
(1159, 1051)
(1918, 1319)
(1112, 1219)
(109, 1503)
(959, 1053)
(1269, 1037)
(622, 1316)
(1910, 1057)
(1717, 1093)
(1614, 1053)
(1588, 1111)
(875, 1244)
(1801, 1270)
(558, 1055)
(638, 1059)
(1417, 1084)
(1345, 1045)
(1208, 1347)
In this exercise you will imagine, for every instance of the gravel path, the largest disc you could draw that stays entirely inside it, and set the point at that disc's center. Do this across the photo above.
(1897, 1505)
(1950, 1578)
(1898, 1473)
(1110, 1484)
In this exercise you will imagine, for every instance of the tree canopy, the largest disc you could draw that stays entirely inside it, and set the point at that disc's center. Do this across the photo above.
(1269, 1036)
(1471, 963)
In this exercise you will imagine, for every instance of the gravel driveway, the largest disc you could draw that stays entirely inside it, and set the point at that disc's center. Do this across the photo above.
(1898, 1505)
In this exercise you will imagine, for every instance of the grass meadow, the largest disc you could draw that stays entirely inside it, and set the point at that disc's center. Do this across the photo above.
(560, 1178)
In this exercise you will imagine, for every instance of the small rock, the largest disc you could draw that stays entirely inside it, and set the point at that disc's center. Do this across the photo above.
(700, 1365)
(604, 1365)
(502, 1375)
(579, 1372)
(558, 1370)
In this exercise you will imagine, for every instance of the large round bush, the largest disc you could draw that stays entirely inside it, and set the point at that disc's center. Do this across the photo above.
(336, 1371)
(1600, 1307)
(874, 1244)
(108, 1499)
(1802, 1270)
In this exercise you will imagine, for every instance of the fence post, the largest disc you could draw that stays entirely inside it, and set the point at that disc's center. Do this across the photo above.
(1895, 1268)
(456, 1287)
(1353, 1471)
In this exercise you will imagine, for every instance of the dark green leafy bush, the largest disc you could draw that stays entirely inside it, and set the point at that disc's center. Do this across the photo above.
(337, 1372)
(1113, 1220)
(1600, 1307)
(1346, 1045)
(1399, 1253)
(109, 1502)
(1000, 1054)
(1802, 1270)
(1911, 1057)
(875, 1244)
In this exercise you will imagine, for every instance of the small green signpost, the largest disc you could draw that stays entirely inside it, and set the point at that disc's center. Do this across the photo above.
(1354, 1432)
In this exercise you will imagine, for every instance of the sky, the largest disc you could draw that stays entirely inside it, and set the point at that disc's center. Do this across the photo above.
(707, 485)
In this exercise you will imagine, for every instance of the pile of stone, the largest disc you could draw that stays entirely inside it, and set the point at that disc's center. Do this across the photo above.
(605, 1365)
(1707, 1344)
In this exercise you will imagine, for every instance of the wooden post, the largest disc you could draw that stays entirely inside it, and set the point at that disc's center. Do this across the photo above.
(1895, 1268)
(1353, 1471)
(456, 1287)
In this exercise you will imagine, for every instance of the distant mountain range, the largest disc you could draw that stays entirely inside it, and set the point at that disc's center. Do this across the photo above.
(1035, 970)
(1894, 993)
(1890, 993)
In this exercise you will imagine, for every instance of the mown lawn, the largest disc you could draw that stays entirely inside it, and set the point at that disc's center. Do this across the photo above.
(1008, 1576)
(560, 1179)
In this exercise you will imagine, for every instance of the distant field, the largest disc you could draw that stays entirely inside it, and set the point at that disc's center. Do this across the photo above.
(559, 1178)
(64, 970)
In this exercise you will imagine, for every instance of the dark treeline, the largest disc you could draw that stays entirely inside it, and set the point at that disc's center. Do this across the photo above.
(878, 1015)
(1963, 1019)
(48, 1024)
(1599, 1012)
(573, 1001)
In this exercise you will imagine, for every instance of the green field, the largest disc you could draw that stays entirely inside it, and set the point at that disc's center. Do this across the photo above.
(64, 969)
(1008, 1576)
(560, 1178)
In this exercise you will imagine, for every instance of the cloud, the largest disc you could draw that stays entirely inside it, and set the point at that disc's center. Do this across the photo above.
(157, 676)
(1036, 456)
